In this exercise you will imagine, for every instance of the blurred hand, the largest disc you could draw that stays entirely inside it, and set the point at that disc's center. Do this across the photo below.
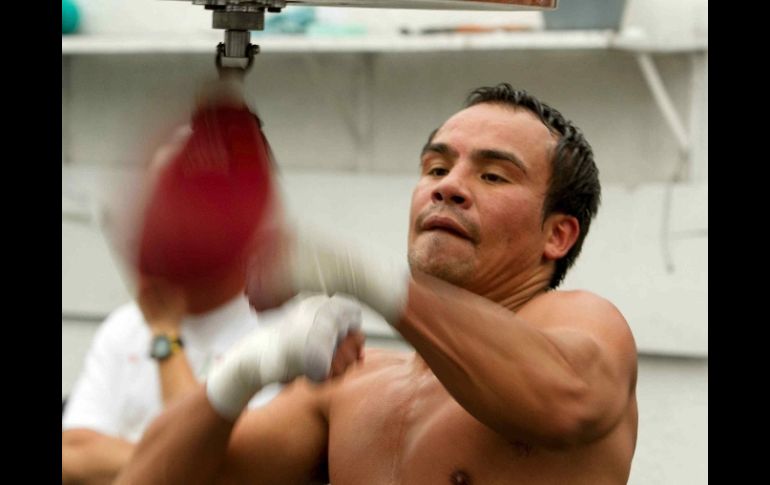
(163, 304)
(348, 352)
(318, 337)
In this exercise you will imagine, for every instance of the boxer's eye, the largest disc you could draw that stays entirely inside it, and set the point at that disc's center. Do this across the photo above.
(437, 171)
(493, 178)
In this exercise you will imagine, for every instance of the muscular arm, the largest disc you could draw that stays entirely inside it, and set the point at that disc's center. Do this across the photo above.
(195, 440)
(175, 449)
(558, 373)
(89, 457)
(190, 443)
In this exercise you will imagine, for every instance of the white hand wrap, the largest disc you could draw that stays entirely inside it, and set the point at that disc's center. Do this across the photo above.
(328, 268)
(304, 343)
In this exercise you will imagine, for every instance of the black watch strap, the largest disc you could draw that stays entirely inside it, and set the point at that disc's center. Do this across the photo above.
(164, 346)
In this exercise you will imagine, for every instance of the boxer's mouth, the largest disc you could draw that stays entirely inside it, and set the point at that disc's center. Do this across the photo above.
(446, 224)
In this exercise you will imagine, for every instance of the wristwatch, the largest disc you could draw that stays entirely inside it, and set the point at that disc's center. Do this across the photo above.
(164, 346)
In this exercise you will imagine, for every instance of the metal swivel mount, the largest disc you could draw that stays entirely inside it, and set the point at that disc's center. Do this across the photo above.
(238, 18)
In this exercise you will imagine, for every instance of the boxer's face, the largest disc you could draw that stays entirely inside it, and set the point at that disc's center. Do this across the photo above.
(476, 215)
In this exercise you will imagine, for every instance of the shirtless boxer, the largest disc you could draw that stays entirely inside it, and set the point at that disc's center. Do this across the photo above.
(512, 381)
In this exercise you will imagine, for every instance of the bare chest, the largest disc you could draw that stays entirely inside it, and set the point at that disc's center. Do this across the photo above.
(408, 430)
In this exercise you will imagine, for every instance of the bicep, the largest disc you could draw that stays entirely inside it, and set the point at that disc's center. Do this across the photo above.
(603, 360)
(84, 438)
(89, 455)
(592, 336)
(283, 442)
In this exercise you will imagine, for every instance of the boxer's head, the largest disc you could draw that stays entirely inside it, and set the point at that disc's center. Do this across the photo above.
(507, 191)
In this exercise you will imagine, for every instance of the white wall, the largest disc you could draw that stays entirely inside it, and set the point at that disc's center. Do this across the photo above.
(131, 97)
(672, 444)
(667, 24)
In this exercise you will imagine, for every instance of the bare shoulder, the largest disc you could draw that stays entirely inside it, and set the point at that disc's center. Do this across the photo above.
(281, 442)
(286, 440)
(581, 305)
(581, 312)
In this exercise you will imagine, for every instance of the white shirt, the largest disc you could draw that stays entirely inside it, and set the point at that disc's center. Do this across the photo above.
(118, 392)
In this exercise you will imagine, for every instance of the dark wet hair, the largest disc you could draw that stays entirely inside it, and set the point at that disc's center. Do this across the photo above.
(574, 187)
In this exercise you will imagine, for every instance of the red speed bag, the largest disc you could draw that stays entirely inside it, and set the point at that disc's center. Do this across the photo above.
(208, 200)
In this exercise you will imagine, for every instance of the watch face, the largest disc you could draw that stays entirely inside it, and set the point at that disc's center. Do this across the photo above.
(161, 347)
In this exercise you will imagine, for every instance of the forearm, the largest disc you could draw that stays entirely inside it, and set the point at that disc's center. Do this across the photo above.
(92, 458)
(163, 307)
(546, 382)
(186, 444)
(176, 377)
(502, 370)
(192, 441)
(505, 372)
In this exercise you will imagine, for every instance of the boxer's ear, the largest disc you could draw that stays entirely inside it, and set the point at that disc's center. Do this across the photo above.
(561, 231)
